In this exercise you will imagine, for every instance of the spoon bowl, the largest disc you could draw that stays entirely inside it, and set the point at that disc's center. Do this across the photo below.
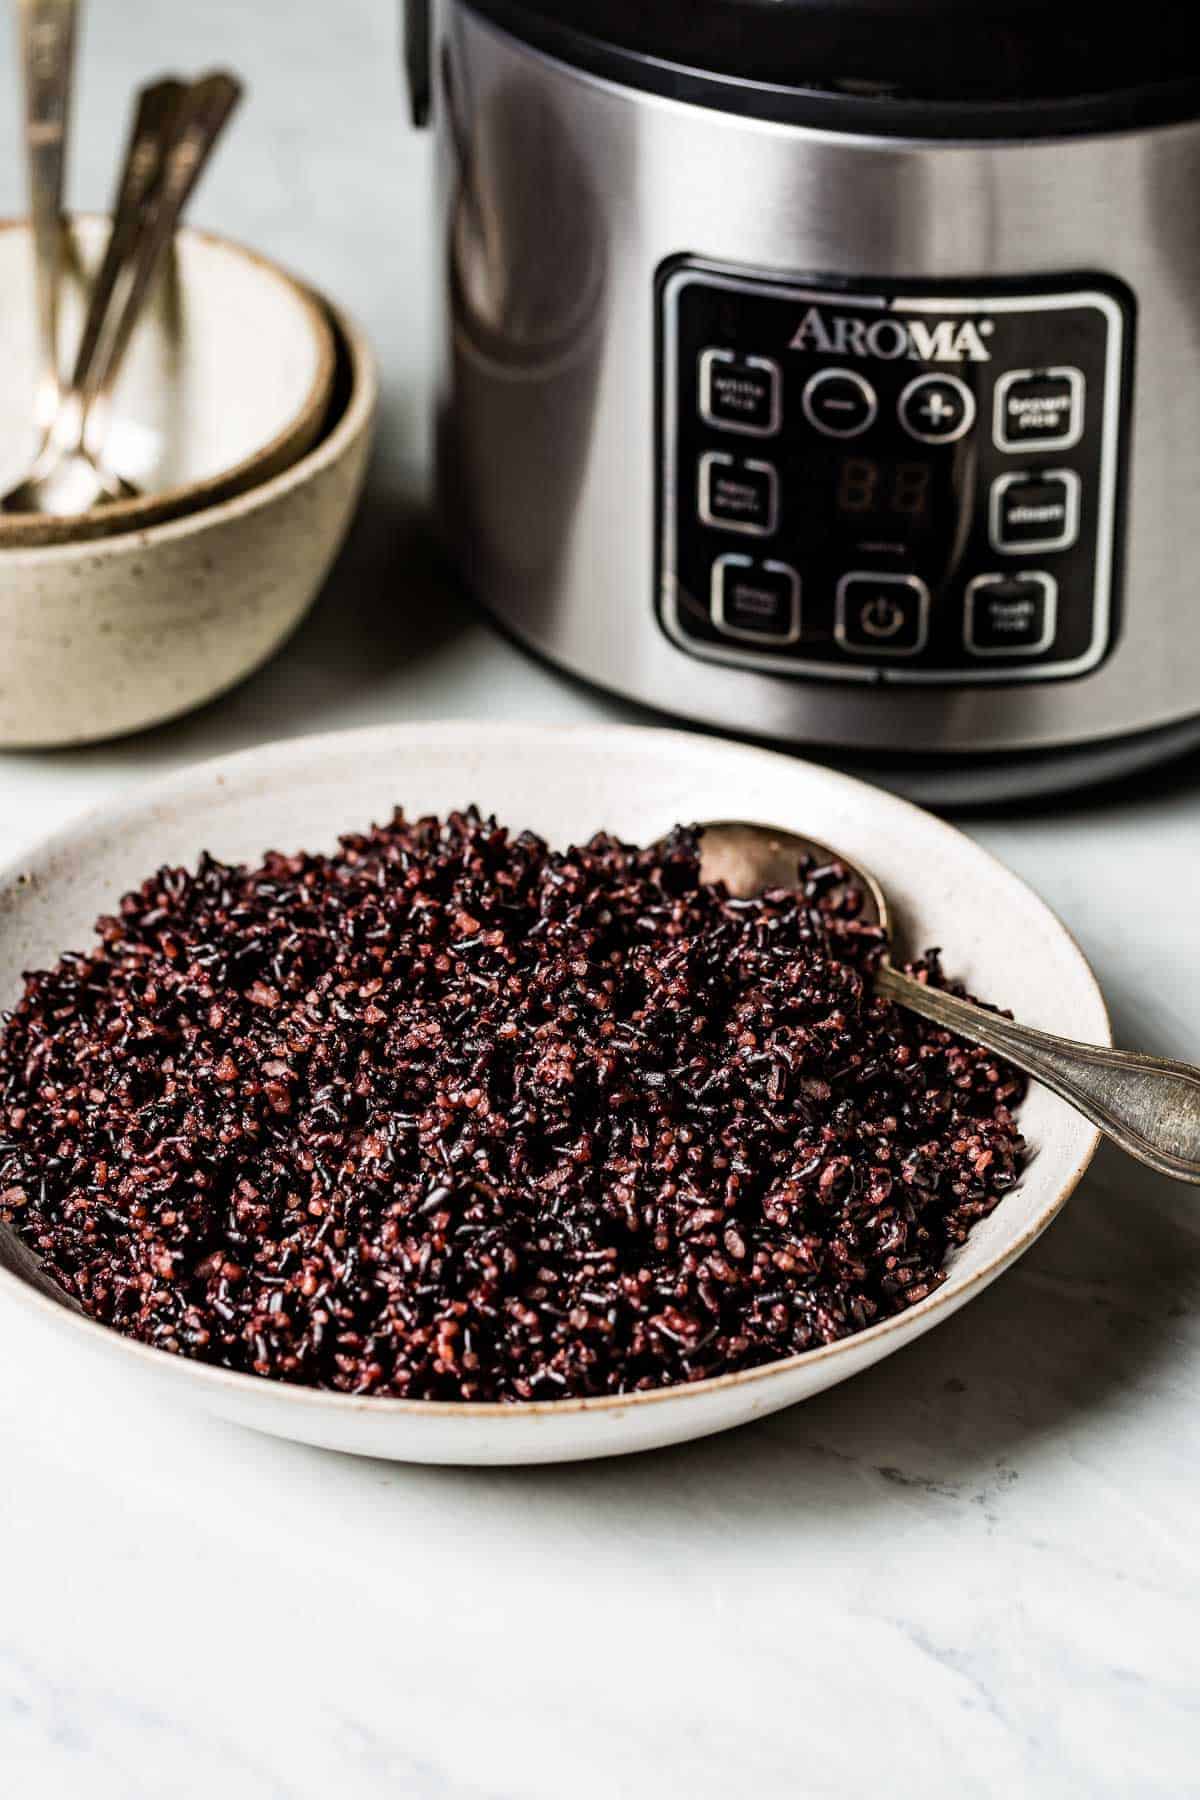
(66, 481)
(750, 858)
(65, 485)
(1148, 1106)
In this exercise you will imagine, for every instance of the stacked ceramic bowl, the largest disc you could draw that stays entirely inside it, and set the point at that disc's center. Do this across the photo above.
(242, 417)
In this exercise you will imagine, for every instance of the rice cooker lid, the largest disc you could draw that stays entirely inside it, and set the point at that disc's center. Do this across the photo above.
(925, 68)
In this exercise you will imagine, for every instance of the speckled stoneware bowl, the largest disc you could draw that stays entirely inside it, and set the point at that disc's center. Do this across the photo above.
(565, 783)
(227, 379)
(101, 638)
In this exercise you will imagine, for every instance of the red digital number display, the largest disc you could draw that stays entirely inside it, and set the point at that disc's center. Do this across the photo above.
(889, 489)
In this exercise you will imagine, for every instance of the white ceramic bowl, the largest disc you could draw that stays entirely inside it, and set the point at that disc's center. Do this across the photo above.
(566, 783)
(226, 382)
(101, 638)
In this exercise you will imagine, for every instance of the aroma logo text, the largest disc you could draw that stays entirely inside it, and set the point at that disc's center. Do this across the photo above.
(890, 338)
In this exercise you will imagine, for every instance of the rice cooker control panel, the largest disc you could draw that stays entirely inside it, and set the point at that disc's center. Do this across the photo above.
(882, 484)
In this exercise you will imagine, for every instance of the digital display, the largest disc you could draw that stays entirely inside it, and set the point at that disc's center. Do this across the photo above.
(884, 489)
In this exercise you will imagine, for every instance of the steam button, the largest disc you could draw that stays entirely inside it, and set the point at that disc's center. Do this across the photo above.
(936, 409)
(1034, 511)
(882, 615)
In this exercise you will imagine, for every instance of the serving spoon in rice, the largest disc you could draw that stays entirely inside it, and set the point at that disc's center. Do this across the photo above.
(1148, 1106)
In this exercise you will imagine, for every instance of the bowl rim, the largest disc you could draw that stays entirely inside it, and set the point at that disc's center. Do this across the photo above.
(216, 771)
(337, 323)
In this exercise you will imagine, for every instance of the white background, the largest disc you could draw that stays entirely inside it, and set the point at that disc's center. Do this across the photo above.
(971, 1572)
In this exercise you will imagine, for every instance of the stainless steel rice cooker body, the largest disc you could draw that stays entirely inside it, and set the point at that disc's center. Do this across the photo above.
(837, 419)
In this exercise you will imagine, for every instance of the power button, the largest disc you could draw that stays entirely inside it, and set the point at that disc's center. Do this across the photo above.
(882, 615)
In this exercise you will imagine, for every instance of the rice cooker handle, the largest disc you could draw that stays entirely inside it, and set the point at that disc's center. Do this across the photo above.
(416, 59)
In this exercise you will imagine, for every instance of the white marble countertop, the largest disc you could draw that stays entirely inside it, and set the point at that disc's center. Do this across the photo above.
(970, 1572)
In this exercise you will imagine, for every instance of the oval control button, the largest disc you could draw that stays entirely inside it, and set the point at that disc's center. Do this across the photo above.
(936, 409)
(738, 494)
(1034, 511)
(740, 393)
(1011, 615)
(882, 614)
(839, 402)
(756, 600)
(1039, 409)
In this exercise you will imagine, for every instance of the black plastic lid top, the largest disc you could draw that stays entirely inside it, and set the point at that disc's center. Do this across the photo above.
(929, 68)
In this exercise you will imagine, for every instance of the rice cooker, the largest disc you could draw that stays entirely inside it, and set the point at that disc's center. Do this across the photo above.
(829, 370)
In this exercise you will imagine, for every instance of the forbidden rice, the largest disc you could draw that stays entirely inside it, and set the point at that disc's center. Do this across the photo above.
(447, 1115)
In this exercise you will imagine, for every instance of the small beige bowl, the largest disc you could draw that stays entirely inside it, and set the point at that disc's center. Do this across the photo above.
(102, 638)
(226, 382)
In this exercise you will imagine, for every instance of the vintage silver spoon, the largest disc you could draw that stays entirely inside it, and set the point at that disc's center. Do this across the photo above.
(173, 135)
(63, 479)
(156, 108)
(1150, 1107)
(48, 30)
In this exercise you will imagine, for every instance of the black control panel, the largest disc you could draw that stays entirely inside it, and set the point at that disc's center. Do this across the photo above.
(874, 483)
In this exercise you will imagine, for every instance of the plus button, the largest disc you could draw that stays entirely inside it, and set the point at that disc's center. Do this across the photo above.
(937, 409)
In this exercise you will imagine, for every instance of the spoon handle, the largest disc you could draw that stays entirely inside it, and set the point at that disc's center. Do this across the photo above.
(140, 172)
(1150, 1107)
(201, 117)
(47, 52)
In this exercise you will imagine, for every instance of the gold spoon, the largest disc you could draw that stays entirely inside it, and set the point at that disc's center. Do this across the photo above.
(1150, 1107)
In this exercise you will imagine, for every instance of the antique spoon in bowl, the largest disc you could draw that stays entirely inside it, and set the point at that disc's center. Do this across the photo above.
(1150, 1107)
(65, 477)
(175, 130)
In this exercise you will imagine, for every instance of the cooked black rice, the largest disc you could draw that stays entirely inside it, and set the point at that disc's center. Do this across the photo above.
(449, 1115)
